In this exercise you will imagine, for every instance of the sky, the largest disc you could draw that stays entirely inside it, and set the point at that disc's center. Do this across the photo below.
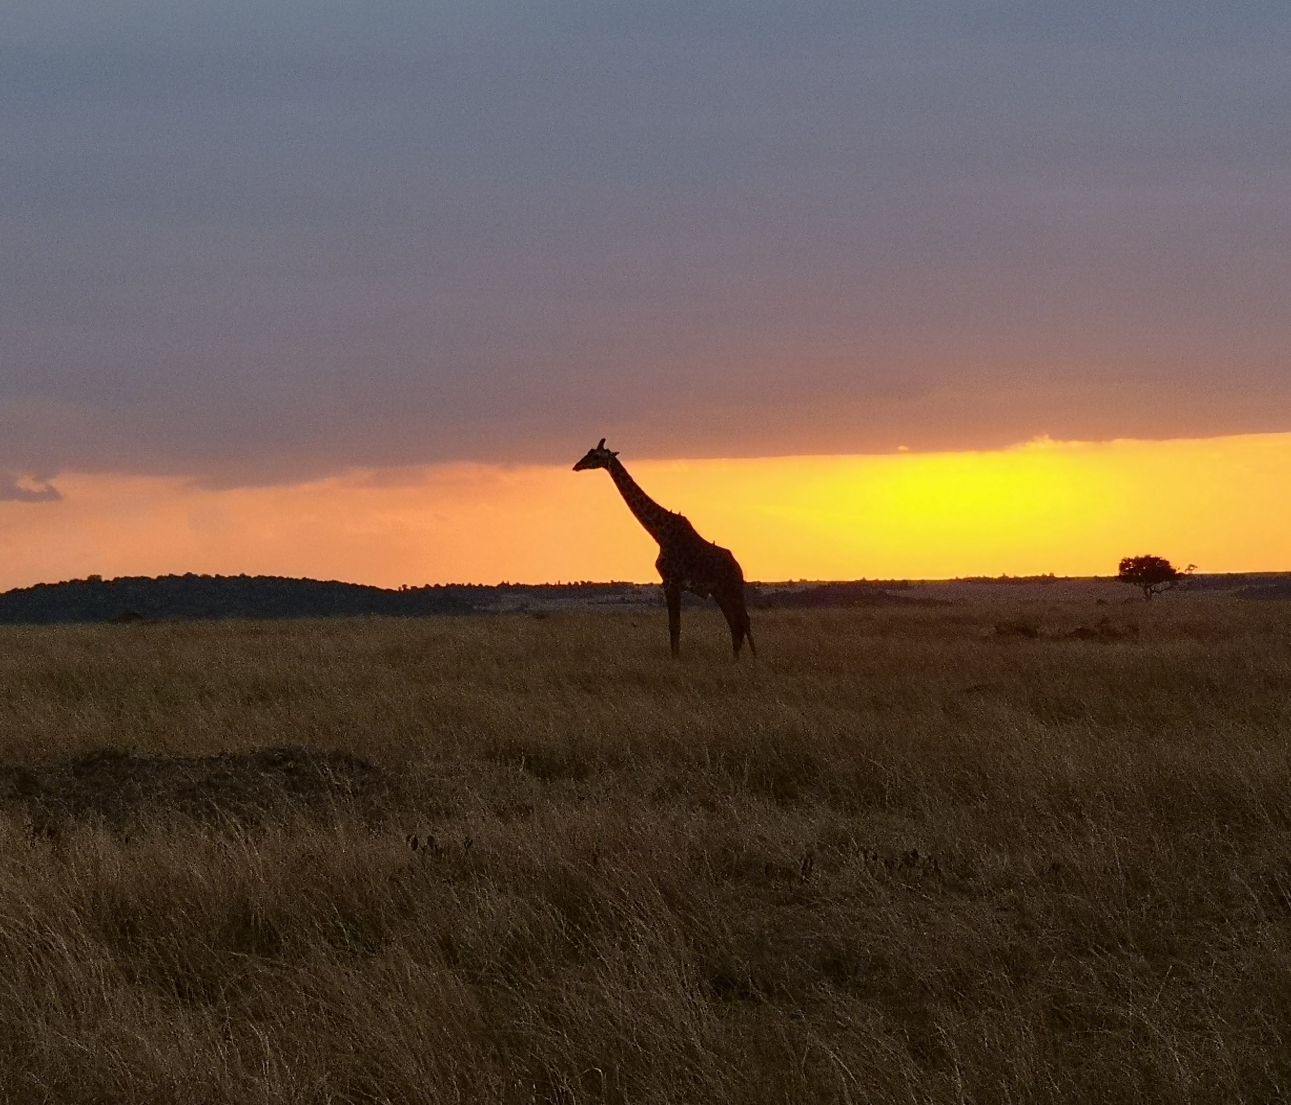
(353, 262)
(1044, 506)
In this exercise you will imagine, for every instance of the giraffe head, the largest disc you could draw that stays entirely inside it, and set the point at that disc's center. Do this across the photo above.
(599, 457)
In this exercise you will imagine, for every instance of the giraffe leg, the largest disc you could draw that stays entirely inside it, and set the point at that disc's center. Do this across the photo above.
(673, 593)
(732, 620)
(737, 618)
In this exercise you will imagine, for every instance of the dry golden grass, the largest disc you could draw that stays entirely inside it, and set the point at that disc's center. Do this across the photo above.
(901, 857)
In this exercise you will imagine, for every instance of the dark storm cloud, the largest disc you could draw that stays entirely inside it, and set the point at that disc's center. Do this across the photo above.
(255, 244)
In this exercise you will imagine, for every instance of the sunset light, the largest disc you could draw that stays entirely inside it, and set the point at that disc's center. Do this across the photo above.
(1070, 508)
(459, 463)
(1067, 508)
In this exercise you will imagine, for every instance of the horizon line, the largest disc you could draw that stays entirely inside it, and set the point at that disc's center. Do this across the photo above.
(1043, 577)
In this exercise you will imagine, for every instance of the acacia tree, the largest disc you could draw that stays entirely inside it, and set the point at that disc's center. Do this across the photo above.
(1152, 574)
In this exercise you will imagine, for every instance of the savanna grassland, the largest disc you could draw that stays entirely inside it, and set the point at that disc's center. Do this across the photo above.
(984, 852)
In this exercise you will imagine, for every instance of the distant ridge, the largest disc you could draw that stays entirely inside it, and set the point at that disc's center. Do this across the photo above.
(190, 597)
(132, 598)
(135, 598)
(840, 594)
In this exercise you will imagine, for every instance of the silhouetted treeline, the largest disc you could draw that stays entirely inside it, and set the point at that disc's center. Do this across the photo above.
(136, 598)
(190, 596)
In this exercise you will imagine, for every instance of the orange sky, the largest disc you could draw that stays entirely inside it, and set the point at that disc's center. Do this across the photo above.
(1062, 507)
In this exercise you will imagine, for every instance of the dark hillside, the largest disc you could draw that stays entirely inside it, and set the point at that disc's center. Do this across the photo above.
(186, 597)
(194, 596)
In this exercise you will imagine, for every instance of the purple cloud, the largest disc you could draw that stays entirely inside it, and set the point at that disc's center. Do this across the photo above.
(248, 242)
(12, 491)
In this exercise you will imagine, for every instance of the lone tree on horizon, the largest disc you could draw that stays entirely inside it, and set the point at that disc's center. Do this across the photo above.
(1152, 574)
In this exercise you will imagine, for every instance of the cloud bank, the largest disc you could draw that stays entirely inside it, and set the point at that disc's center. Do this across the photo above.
(252, 245)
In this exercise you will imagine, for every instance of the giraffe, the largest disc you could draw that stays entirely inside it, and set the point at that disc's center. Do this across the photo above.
(686, 561)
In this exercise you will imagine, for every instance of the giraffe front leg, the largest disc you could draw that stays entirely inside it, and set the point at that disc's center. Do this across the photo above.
(673, 593)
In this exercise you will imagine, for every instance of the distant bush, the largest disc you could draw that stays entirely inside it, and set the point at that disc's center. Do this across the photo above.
(1152, 574)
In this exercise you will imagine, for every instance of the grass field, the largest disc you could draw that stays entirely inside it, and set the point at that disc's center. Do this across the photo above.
(985, 852)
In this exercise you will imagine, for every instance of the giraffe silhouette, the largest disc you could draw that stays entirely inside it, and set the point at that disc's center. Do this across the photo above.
(686, 561)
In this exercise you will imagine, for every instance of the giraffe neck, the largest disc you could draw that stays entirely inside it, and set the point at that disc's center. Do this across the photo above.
(649, 513)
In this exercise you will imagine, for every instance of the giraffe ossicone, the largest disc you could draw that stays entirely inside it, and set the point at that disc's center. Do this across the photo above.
(686, 561)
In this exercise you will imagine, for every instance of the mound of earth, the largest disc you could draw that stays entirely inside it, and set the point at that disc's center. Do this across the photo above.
(116, 788)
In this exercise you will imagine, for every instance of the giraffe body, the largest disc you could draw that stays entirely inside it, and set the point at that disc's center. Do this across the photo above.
(686, 561)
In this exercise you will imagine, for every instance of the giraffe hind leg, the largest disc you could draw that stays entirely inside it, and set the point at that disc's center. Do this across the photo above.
(738, 619)
(673, 594)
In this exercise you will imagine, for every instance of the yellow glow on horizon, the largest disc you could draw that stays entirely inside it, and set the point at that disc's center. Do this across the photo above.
(1072, 508)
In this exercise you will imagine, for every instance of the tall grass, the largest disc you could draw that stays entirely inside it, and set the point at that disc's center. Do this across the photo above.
(901, 857)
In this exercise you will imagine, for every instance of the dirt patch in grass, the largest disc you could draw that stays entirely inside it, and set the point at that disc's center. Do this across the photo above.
(116, 788)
